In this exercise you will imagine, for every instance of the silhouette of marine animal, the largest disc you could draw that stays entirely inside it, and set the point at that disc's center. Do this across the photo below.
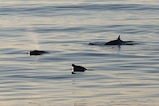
(37, 52)
(118, 41)
(76, 68)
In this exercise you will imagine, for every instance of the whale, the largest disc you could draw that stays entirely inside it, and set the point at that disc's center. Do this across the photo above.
(37, 52)
(118, 41)
(76, 68)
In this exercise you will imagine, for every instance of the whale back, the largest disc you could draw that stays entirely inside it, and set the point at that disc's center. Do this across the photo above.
(118, 41)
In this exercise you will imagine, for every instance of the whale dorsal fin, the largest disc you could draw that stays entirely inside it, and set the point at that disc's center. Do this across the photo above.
(119, 38)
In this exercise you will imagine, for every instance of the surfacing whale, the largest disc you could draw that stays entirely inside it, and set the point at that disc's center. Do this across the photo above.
(37, 52)
(118, 42)
(76, 68)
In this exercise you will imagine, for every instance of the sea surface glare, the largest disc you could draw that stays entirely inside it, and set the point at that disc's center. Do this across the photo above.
(119, 76)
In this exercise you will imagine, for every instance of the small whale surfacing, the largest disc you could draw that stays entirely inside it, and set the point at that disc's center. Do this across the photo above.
(118, 42)
(37, 52)
(76, 68)
(115, 42)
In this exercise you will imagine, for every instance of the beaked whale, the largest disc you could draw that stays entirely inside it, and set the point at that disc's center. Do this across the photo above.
(76, 68)
(37, 52)
(118, 41)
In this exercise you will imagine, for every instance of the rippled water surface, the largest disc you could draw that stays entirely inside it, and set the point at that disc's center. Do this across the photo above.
(119, 76)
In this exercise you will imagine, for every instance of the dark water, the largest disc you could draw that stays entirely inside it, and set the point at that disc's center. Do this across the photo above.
(120, 76)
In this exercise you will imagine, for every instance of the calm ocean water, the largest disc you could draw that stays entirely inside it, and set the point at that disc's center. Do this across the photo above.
(120, 76)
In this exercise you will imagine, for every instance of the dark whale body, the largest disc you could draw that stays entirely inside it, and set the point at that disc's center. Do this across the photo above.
(76, 68)
(118, 41)
(37, 52)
